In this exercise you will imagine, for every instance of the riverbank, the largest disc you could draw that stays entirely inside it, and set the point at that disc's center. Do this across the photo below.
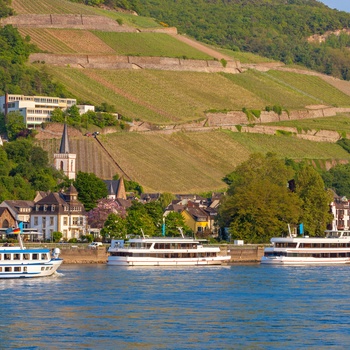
(73, 254)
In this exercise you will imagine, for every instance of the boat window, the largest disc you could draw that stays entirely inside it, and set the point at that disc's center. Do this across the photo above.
(16, 256)
(43, 256)
(25, 269)
(35, 256)
(47, 268)
(26, 256)
(17, 269)
(0, 256)
(0, 269)
(8, 269)
(7, 256)
(43, 268)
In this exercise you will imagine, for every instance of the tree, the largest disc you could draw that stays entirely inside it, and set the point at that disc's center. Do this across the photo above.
(165, 199)
(115, 227)
(258, 204)
(56, 236)
(90, 189)
(315, 200)
(98, 215)
(138, 218)
(14, 124)
(57, 116)
(172, 221)
(338, 179)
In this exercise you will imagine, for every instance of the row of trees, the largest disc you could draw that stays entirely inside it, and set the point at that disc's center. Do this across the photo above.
(259, 204)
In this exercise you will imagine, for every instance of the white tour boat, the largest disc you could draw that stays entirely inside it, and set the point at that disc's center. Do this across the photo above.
(163, 251)
(332, 249)
(20, 262)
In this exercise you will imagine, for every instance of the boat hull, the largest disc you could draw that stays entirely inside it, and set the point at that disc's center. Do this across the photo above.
(128, 261)
(303, 261)
(27, 270)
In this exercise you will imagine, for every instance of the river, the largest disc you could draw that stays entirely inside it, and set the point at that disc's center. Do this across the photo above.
(232, 307)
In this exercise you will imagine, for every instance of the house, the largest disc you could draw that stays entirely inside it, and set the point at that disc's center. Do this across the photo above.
(61, 212)
(341, 213)
(34, 109)
(196, 219)
(116, 189)
(6, 220)
(20, 210)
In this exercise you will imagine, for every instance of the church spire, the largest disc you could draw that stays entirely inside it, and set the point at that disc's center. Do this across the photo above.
(64, 147)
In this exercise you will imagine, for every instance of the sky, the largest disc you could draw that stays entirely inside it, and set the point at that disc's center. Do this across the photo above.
(343, 5)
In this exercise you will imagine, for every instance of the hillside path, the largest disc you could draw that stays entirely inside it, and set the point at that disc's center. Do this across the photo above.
(195, 44)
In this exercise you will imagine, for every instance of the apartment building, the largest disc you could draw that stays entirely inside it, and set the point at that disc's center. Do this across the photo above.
(34, 109)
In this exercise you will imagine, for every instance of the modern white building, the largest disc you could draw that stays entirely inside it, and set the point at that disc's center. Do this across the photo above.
(34, 109)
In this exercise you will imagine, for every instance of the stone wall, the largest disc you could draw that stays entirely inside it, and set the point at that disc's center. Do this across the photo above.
(245, 254)
(133, 62)
(84, 255)
(67, 21)
(238, 117)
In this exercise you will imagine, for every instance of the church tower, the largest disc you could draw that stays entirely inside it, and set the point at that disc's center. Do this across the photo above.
(64, 160)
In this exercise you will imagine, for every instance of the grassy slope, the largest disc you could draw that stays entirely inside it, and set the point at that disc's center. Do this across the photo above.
(339, 123)
(165, 97)
(187, 162)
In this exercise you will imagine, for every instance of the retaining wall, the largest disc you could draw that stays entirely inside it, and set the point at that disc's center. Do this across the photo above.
(134, 62)
(67, 21)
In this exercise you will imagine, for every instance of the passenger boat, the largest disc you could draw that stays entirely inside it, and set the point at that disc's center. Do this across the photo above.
(163, 251)
(20, 262)
(332, 249)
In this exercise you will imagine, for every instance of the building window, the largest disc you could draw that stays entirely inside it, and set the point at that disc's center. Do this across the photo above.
(65, 221)
(51, 220)
(35, 220)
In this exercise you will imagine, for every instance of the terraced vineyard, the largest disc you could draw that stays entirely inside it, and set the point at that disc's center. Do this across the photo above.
(157, 96)
(67, 7)
(188, 162)
(149, 44)
(290, 90)
(339, 123)
(50, 7)
(90, 156)
(312, 86)
(46, 41)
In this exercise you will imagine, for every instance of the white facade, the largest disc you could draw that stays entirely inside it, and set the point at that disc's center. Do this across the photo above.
(66, 163)
(34, 109)
(85, 108)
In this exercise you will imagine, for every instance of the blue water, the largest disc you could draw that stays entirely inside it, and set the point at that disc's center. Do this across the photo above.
(235, 307)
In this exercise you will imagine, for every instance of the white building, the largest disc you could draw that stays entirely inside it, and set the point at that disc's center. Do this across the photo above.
(34, 109)
(60, 212)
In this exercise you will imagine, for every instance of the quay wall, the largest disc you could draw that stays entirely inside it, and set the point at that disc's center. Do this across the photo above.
(82, 255)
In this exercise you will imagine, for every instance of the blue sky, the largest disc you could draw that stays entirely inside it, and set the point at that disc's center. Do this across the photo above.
(343, 5)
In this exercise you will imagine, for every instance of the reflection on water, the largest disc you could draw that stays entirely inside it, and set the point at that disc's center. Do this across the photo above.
(109, 307)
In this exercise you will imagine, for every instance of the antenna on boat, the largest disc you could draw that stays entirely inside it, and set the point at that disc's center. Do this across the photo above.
(143, 235)
(181, 232)
(290, 232)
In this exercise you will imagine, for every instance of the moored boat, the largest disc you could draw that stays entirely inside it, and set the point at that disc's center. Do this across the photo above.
(163, 251)
(332, 249)
(20, 262)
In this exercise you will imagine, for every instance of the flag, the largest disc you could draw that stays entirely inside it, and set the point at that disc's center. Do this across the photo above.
(16, 230)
